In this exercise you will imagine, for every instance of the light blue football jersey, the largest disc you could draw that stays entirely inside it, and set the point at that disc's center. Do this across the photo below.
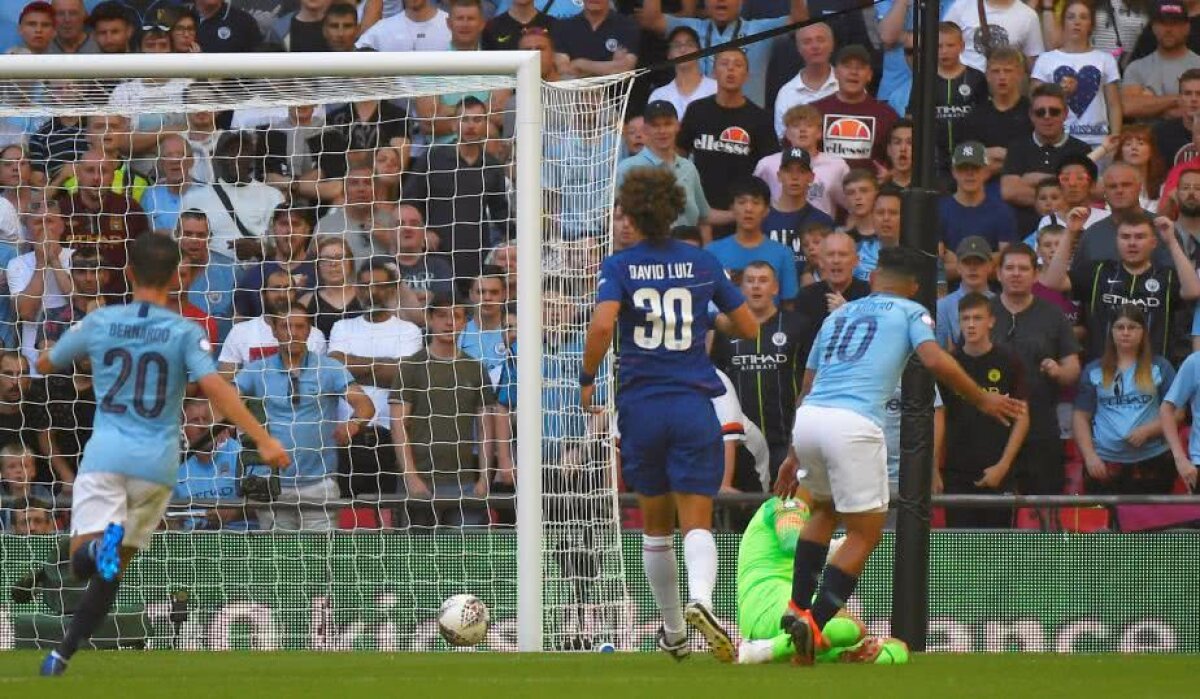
(861, 351)
(142, 357)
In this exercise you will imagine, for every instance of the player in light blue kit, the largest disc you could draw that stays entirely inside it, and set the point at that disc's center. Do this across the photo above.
(142, 357)
(672, 456)
(838, 441)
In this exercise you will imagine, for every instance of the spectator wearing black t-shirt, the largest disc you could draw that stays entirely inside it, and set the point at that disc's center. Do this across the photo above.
(503, 31)
(981, 452)
(1104, 286)
(960, 88)
(1003, 118)
(839, 258)
(302, 30)
(1030, 160)
(767, 370)
(726, 135)
(1042, 338)
(597, 41)
(340, 27)
(224, 28)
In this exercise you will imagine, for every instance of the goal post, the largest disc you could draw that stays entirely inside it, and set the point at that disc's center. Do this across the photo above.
(539, 110)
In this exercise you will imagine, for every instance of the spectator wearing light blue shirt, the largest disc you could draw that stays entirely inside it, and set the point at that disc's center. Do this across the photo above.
(662, 129)
(485, 336)
(216, 276)
(725, 24)
(300, 391)
(974, 269)
(209, 471)
(1117, 421)
(895, 26)
(161, 201)
(751, 204)
(885, 213)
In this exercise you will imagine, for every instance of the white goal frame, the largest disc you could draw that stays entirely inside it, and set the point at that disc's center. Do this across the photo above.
(525, 68)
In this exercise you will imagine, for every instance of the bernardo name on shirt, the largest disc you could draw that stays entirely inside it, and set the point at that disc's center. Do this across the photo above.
(675, 270)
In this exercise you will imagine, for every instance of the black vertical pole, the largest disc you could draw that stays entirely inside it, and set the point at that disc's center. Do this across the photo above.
(910, 591)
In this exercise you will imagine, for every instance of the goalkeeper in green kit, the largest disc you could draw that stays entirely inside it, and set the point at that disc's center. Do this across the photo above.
(764, 588)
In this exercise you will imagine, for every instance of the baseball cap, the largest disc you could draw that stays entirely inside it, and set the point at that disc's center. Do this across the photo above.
(1169, 11)
(971, 153)
(973, 246)
(853, 52)
(36, 6)
(1081, 160)
(659, 108)
(796, 155)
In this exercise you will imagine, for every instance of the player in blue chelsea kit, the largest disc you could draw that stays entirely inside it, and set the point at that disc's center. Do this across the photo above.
(659, 291)
(838, 441)
(142, 357)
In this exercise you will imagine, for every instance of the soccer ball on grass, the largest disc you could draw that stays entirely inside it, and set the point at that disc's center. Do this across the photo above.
(463, 620)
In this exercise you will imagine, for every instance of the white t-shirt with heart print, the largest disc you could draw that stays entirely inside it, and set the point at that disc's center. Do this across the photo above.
(1083, 77)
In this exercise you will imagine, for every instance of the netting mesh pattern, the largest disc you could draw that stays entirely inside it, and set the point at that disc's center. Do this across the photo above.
(1008, 591)
(369, 203)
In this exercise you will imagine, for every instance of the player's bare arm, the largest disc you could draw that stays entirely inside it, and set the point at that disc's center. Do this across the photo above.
(599, 339)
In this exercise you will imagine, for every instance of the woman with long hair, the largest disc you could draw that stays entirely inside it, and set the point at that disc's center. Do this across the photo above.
(335, 297)
(1117, 425)
(1088, 76)
(1118, 24)
(1136, 146)
(671, 452)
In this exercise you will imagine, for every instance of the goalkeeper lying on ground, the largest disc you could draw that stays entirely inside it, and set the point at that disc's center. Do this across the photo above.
(764, 587)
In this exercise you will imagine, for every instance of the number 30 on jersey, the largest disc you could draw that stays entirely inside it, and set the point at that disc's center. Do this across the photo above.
(668, 322)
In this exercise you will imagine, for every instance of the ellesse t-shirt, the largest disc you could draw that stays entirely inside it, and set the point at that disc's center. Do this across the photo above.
(725, 144)
(856, 132)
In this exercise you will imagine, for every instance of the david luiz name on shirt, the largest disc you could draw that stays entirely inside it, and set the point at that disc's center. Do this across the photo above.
(674, 270)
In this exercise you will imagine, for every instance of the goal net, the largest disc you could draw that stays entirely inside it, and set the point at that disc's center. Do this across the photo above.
(369, 252)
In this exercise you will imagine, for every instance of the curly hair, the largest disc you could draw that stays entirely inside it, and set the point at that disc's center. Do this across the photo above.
(651, 200)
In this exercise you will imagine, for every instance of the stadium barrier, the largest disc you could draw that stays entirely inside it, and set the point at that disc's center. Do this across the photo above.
(989, 591)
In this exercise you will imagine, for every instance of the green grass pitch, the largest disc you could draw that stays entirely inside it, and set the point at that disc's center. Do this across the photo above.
(244, 675)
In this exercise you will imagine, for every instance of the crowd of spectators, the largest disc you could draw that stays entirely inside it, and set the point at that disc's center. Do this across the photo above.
(354, 264)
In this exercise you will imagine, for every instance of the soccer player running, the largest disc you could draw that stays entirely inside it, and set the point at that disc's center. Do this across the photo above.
(142, 357)
(838, 441)
(659, 292)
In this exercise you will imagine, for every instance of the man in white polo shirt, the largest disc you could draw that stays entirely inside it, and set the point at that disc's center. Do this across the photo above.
(421, 27)
(815, 80)
(253, 339)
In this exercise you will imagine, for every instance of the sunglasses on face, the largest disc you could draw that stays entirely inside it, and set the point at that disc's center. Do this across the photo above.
(1047, 112)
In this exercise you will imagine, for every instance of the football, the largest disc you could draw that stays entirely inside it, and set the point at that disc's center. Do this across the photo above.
(463, 620)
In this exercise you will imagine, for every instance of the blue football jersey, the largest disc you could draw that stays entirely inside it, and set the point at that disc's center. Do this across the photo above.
(142, 357)
(664, 290)
(861, 351)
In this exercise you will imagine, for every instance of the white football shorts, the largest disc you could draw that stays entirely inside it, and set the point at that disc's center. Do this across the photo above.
(843, 457)
(99, 499)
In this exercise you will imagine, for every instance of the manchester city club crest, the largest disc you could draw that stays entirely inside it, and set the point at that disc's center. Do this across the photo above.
(1153, 286)
(779, 339)
(964, 90)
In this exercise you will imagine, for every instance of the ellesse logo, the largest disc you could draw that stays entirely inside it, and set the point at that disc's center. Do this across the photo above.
(848, 136)
(736, 134)
(848, 128)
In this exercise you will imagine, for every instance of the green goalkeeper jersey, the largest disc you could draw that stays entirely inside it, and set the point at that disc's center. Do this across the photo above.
(764, 567)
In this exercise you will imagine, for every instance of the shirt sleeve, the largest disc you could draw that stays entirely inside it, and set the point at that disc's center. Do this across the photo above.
(1041, 69)
(1168, 377)
(1085, 400)
(232, 350)
(698, 196)
(338, 337)
(247, 383)
(197, 353)
(1033, 44)
(334, 377)
(725, 294)
(608, 288)
(1184, 386)
(486, 392)
(73, 344)
(1109, 68)
(920, 326)
(814, 357)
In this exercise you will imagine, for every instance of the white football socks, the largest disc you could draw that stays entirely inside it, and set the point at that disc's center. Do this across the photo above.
(700, 555)
(658, 558)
